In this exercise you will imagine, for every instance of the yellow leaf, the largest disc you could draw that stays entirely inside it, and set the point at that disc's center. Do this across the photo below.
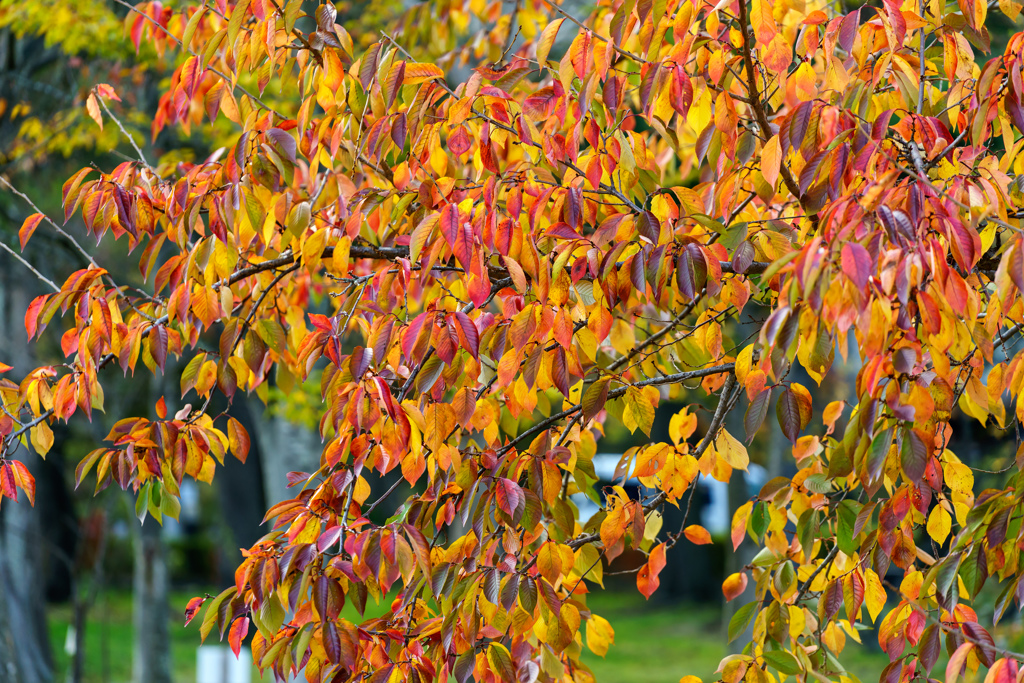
(639, 412)
(939, 524)
(547, 39)
(600, 635)
(681, 426)
(805, 81)
(313, 248)
(732, 451)
(874, 593)
(1010, 8)
(832, 412)
(42, 438)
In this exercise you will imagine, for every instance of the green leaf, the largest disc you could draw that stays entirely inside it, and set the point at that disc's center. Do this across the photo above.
(759, 520)
(594, 398)
(741, 619)
(783, 661)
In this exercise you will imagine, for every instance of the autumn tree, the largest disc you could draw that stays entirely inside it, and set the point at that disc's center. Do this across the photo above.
(484, 273)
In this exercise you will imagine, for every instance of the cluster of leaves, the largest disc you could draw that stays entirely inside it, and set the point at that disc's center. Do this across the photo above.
(513, 261)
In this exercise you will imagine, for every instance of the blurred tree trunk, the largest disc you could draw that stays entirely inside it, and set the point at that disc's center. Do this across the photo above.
(285, 447)
(151, 661)
(25, 655)
(151, 656)
(240, 492)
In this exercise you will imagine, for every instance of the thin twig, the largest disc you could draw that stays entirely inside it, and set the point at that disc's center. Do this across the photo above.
(28, 265)
(138, 150)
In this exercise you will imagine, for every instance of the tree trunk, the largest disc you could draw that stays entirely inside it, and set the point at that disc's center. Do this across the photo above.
(24, 641)
(285, 447)
(240, 490)
(151, 662)
(23, 605)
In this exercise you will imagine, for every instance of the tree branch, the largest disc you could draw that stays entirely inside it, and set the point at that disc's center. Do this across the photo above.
(755, 103)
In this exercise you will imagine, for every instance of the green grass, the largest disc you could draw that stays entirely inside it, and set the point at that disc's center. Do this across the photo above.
(661, 643)
(109, 635)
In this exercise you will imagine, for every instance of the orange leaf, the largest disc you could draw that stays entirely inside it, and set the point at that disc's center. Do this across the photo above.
(697, 534)
(238, 439)
(581, 53)
(420, 73)
(92, 106)
(29, 227)
(104, 90)
(771, 160)
(957, 660)
(762, 20)
(734, 585)
(24, 479)
(647, 579)
(549, 561)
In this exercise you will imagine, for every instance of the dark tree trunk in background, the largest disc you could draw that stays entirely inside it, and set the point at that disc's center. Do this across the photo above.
(240, 490)
(151, 656)
(22, 582)
(151, 661)
(24, 642)
(285, 447)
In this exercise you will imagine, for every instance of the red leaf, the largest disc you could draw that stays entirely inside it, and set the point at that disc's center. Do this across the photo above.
(966, 244)
(831, 600)
(32, 314)
(457, 234)
(161, 408)
(7, 488)
(328, 538)
(794, 412)
(193, 608)
(328, 598)
(190, 75)
(508, 494)
(158, 345)
(24, 479)
(856, 264)
(469, 338)
(332, 642)
(239, 630)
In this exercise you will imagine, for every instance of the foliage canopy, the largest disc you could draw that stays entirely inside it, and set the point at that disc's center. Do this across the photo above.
(486, 272)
